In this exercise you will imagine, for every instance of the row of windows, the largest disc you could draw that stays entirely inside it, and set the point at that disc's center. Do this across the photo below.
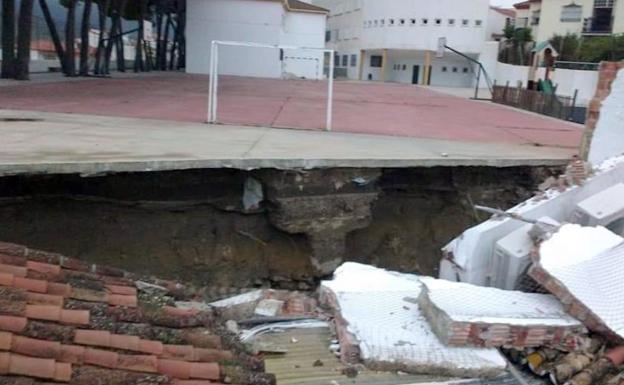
(345, 60)
(403, 67)
(423, 21)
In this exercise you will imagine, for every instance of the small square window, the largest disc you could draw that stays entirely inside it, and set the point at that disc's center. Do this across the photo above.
(402, 22)
(451, 22)
(391, 21)
(376, 61)
(353, 60)
(404, 67)
(336, 60)
(438, 21)
(345, 60)
(465, 70)
(444, 69)
(465, 22)
(382, 22)
(413, 21)
(424, 21)
(478, 23)
(376, 22)
(454, 69)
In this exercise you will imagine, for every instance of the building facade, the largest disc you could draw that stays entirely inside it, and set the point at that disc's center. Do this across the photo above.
(580, 17)
(396, 40)
(272, 22)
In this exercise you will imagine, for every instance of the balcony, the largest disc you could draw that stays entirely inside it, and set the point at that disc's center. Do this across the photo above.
(597, 26)
(604, 3)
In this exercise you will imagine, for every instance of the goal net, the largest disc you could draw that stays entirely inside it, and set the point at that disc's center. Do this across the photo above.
(270, 85)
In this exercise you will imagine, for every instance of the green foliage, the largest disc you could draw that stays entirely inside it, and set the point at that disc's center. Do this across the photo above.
(592, 49)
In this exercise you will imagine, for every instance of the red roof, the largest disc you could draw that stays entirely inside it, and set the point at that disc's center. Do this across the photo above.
(67, 321)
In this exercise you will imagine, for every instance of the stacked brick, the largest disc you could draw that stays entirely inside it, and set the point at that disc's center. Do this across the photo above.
(65, 321)
(488, 317)
(607, 74)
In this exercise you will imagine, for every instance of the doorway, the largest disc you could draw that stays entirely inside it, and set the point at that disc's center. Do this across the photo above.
(415, 74)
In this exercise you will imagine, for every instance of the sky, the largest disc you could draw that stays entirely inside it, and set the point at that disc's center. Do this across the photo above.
(504, 3)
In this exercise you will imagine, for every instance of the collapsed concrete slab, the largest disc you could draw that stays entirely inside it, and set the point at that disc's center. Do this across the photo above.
(462, 314)
(377, 323)
(582, 266)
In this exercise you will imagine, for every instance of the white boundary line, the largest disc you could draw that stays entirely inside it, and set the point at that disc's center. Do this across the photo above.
(213, 86)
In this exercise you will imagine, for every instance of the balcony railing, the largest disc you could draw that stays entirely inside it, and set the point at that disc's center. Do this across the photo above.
(604, 3)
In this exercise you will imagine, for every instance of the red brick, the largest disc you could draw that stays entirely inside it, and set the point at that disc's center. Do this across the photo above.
(123, 342)
(138, 363)
(44, 299)
(99, 338)
(174, 368)
(72, 354)
(205, 371)
(43, 312)
(17, 271)
(75, 317)
(6, 340)
(34, 285)
(122, 290)
(12, 323)
(103, 358)
(151, 347)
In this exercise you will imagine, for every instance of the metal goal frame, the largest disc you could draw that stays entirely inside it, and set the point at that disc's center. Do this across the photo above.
(214, 75)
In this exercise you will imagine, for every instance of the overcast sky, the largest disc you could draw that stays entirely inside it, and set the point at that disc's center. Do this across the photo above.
(504, 3)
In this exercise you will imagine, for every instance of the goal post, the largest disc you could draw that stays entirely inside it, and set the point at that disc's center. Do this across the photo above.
(213, 87)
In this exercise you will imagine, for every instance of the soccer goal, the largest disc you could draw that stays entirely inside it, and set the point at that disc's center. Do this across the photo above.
(284, 62)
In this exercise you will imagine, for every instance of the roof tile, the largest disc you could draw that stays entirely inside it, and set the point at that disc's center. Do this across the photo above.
(12, 323)
(138, 363)
(179, 352)
(12, 260)
(32, 367)
(5, 360)
(122, 290)
(44, 299)
(122, 300)
(174, 368)
(61, 289)
(62, 372)
(205, 371)
(17, 271)
(36, 348)
(99, 338)
(75, 317)
(99, 357)
(34, 285)
(6, 340)
(72, 354)
(43, 312)
(124, 342)
(151, 347)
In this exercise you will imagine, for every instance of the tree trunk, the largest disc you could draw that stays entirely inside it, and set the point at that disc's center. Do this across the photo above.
(181, 34)
(8, 39)
(70, 38)
(159, 35)
(102, 15)
(56, 39)
(24, 34)
(84, 37)
(121, 58)
(165, 44)
(174, 45)
(138, 51)
(111, 33)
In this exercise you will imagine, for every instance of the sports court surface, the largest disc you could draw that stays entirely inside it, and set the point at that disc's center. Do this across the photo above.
(359, 107)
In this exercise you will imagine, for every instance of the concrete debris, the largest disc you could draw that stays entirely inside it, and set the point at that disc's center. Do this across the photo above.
(463, 314)
(269, 308)
(375, 325)
(582, 266)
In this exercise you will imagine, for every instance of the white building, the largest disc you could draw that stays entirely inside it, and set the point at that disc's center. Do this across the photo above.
(274, 22)
(498, 20)
(396, 40)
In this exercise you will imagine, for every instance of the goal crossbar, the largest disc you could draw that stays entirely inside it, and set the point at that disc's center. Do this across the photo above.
(214, 75)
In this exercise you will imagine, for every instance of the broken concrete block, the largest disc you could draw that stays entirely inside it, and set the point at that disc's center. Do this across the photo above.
(239, 307)
(269, 308)
(462, 314)
(582, 266)
(377, 326)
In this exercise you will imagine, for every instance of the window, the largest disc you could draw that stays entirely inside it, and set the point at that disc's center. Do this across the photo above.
(404, 67)
(376, 22)
(478, 23)
(376, 61)
(424, 21)
(444, 69)
(535, 17)
(464, 22)
(391, 21)
(353, 60)
(327, 36)
(454, 69)
(336, 60)
(402, 22)
(413, 21)
(451, 22)
(438, 21)
(571, 13)
(345, 60)
(465, 70)
(382, 22)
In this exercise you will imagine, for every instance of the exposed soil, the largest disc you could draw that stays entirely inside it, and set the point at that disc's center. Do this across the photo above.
(191, 225)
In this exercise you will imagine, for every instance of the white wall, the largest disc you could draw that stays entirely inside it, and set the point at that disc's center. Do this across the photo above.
(512, 74)
(496, 23)
(265, 22)
(608, 137)
(567, 81)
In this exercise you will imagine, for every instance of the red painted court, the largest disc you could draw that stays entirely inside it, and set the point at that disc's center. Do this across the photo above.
(371, 108)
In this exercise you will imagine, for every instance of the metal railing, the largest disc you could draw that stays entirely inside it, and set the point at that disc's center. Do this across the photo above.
(590, 26)
(604, 3)
(561, 107)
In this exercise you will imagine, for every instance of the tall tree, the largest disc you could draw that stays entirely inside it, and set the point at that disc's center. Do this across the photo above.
(84, 37)
(103, 8)
(24, 34)
(70, 38)
(58, 46)
(8, 39)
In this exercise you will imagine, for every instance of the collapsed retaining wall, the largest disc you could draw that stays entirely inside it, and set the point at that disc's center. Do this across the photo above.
(215, 228)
